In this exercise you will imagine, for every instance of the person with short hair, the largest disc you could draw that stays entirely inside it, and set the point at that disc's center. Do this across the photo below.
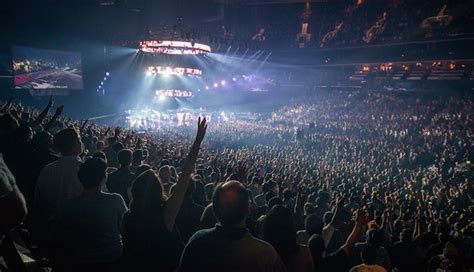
(58, 181)
(121, 180)
(368, 255)
(229, 246)
(86, 230)
(137, 159)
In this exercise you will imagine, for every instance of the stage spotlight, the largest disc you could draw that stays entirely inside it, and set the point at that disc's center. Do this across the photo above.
(105, 78)
(162, 97)
(207, 87)
(234, 79)
(148, 73)
(107, 73)
(101, 83)
(223, 82)
(216, 85)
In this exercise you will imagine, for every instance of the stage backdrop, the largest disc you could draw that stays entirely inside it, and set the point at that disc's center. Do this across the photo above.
(41, 69)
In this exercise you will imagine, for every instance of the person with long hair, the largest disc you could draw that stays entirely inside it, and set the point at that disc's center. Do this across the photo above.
(151, 239)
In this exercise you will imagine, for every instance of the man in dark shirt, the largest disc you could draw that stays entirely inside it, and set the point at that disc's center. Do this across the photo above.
(229, 246)
(121, 180)
(402, 253)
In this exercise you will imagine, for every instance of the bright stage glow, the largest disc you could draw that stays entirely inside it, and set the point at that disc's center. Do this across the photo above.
(234, 79)
(107, 73)
(216, 85)
(172, 93)
(105, 78)
(148, 73)
(207, 87)
(223, 82)
(174, 70)
(162, 97)
(174, 47)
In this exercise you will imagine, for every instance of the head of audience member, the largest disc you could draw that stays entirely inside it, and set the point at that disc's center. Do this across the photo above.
(279, 230)
(189, 191)
(274, 201)
(137, 157)
(93, 173)
(124, 157)
(287, 195)
(269, 195)
(265, 188)
(147, 195)
(368, 255)
(142, 168)
(317, 247)
(313, 224)
(111, 141)
(42, 141)
(374, 238)
(100, 155)
(406, 236)
(309, 208)
(231, 204)
(165, 174)
(117, 147)
(327, 217)
(99, 146)
(68, 142)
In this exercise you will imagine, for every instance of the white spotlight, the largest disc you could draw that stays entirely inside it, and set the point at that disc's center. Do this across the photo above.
(148, 73)
(216, 85)
(223, 82)
(162, 97)
(234, 79)
(107, 73)
(207, 87)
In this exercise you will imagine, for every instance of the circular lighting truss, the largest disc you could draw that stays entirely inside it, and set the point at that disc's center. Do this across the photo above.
(173, 93)
(174, 47)
(162, 70)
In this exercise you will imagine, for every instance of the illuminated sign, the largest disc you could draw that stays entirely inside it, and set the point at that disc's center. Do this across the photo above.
(174, 47)
(162, 70)
(173, 93)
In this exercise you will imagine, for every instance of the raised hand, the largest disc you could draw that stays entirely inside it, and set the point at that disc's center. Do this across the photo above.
(117, 132)
(201, 132)
(51, 101)
(362, 218)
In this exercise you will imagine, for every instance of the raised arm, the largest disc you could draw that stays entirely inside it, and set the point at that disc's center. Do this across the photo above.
(7, 105)
(51, 122)
(43, 114)
(361, 220)
(337, 209)
(176, 199)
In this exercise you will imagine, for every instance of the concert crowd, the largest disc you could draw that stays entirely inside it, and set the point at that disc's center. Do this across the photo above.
(337, 181)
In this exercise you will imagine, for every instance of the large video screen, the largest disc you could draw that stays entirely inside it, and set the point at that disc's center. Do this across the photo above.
(35, 68)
